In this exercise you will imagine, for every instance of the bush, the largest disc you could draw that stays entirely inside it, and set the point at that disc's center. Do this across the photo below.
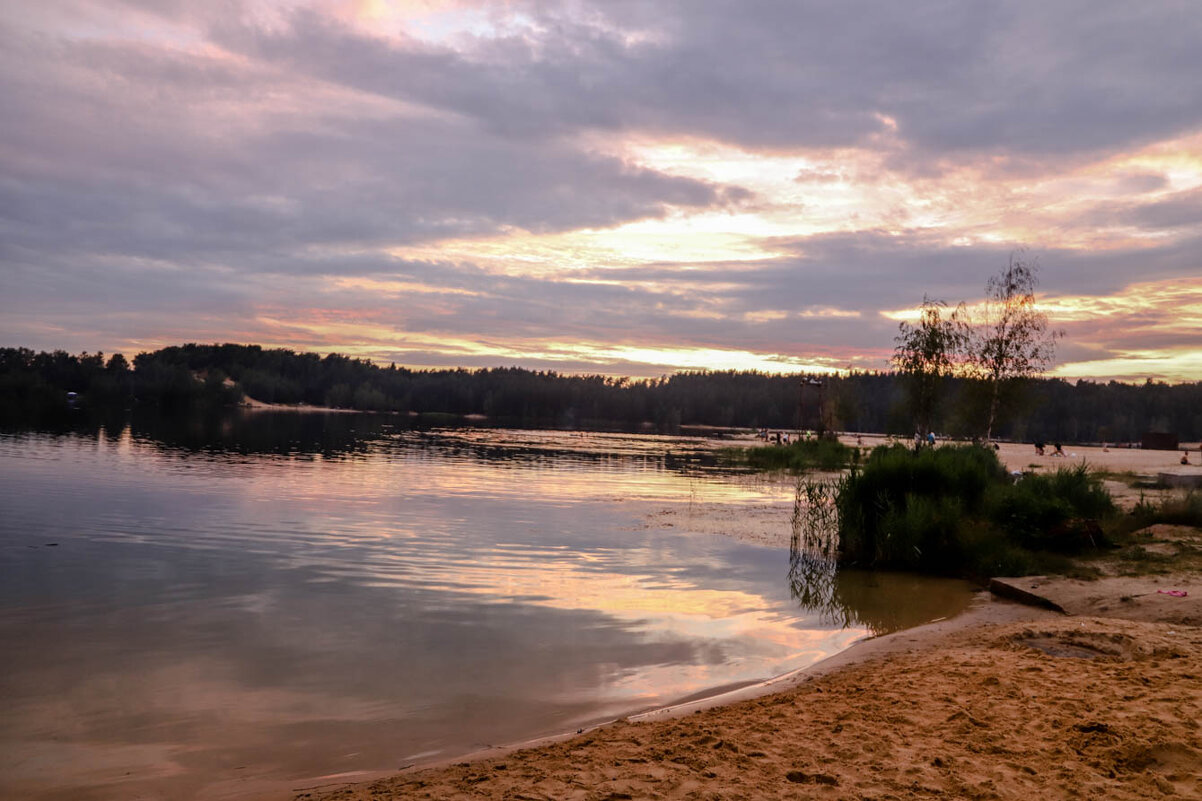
(807, 454)
(1053, 511)
(1180, 510)
(905, 509)
(955, 510)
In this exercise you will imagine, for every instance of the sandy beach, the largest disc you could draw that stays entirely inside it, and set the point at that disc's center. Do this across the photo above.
(1008, 701)
(1040, 706)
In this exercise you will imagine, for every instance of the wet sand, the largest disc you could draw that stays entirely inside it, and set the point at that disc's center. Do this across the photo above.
(1005, 702)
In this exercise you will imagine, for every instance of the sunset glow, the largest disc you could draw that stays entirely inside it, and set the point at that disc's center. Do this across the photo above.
(595, 187)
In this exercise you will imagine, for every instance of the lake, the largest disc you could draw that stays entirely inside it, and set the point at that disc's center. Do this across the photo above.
(230, 606)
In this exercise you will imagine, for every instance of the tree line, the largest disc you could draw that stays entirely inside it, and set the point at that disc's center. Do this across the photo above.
(34, 386)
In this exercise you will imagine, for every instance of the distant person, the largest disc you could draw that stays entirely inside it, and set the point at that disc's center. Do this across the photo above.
(931, 438)
(1059, 450)
(1185, 457)
(1039, 447)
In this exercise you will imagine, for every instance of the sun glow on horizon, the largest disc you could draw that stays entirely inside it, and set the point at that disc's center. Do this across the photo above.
(1141, 312)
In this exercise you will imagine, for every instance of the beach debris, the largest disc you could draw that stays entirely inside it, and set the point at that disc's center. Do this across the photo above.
(1174, 593)
(1024, 590)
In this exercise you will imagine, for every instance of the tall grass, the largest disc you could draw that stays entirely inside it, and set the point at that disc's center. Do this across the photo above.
(955, 510)
(808, 454)
(1178, 510)
(1057, 512)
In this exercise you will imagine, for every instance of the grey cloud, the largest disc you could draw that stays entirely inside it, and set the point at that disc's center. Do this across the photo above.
(1179, 210)
(1071, 350)
(1103, 272)
(850, 272)
(179, 162)
(1026, 78)
(863, 271)
(143, 188)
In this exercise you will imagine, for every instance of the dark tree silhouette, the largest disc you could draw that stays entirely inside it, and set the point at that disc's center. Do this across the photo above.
(926, 354)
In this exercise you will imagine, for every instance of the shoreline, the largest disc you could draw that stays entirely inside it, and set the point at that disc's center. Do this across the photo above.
(987, 609)
(1005, 701)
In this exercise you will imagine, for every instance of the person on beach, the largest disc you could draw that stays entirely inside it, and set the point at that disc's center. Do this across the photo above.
(1039, 447)
(1059, 450)
(1185, 457)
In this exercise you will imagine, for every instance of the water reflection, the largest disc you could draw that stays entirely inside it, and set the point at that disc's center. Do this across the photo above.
(813, 553)
(880, 602)
(337, 434)
(277, 596)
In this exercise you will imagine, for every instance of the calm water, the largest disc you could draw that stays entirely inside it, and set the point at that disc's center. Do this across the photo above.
(211, 609)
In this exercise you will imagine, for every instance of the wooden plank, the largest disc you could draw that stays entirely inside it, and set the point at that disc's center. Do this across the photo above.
(1025, 591)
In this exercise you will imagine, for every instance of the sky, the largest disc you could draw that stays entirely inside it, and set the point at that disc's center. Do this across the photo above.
(617, 187)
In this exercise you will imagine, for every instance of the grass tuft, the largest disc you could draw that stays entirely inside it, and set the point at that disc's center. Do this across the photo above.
(797, 457)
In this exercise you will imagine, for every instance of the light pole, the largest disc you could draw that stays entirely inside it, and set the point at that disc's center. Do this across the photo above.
(801, 409)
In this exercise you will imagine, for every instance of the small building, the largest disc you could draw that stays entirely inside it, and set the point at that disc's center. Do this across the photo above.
(1159, 441)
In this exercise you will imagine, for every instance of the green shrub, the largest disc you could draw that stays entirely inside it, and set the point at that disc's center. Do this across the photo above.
(1052, 511)
(905, 509)
(922, 532)
(988, 552)
(1178, 510)
(955, 510)
(807, 454)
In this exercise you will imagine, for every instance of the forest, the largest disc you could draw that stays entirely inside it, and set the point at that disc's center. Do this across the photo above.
(34, 388)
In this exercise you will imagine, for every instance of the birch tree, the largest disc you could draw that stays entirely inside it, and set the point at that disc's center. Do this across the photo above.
(926, 353)
(1013, 340)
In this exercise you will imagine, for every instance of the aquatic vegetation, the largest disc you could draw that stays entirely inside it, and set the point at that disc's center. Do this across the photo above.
(818, 453)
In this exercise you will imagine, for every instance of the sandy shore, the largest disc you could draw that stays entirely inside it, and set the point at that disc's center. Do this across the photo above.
(1134, 462)
(1005, 702)
(1047, 706)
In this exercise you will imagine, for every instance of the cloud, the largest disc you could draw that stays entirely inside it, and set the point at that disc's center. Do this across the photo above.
(1179, 210)
(938, 78)
(179, 159)
(469, 175)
